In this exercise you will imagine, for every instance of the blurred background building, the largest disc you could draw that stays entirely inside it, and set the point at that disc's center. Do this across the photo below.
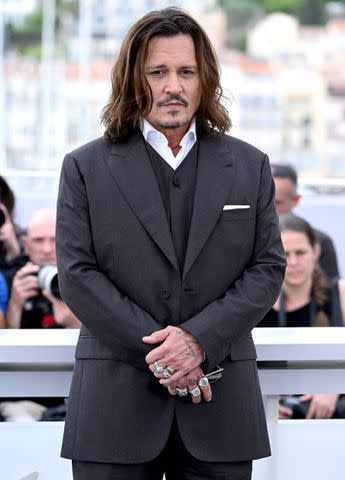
(283, 68)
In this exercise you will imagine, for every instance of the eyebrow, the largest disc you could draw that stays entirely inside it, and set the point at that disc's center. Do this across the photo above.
(152, 67)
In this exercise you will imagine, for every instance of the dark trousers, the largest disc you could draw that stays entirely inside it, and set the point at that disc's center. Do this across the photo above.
(174, 461)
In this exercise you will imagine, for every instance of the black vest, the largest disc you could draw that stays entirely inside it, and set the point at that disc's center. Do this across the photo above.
(177, 189)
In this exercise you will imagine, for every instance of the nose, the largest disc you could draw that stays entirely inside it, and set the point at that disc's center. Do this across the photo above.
(291, 259)
(173, 84)
(48, 247)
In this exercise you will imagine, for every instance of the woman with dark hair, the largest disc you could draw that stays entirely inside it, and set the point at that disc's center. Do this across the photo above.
(306, 300)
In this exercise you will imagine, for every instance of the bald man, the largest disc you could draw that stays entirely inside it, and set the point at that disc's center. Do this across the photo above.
(29, 307)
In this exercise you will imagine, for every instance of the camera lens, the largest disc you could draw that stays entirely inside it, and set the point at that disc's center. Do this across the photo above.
(48, 280)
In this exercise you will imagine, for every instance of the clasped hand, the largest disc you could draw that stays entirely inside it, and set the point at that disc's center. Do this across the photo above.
(179, 351)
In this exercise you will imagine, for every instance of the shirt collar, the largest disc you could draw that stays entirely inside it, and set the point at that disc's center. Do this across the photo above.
(150, 133)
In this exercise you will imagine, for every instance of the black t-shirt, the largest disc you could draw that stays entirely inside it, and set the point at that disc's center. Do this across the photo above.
(305, 315)
(38, 313)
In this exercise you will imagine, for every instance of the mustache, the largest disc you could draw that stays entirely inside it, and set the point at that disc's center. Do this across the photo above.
(175, 97)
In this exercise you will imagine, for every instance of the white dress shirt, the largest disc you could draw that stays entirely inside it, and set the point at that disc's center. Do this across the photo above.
(159, 142)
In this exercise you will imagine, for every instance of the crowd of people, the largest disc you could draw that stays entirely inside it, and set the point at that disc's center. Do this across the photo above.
(24, 303)
(313, 294)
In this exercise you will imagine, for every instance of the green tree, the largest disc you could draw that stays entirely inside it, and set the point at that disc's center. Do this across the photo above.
(240, 16)
(312, 12)
(26, 38)
(27, 35)
(287, 6)
(242, 12)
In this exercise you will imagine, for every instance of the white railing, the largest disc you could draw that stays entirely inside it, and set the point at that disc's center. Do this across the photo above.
(39, 363)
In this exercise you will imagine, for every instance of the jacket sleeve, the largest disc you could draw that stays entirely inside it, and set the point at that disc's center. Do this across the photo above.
(111, 317)
(231, 317)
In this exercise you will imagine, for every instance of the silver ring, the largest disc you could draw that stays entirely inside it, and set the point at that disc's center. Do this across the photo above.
(195, 392)
(182, 392)
(158, 368)
(166, 374)
(203, 382)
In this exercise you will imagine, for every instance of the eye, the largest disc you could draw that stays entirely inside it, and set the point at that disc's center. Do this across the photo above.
(300, 253)
(156, 73)
(187, 72)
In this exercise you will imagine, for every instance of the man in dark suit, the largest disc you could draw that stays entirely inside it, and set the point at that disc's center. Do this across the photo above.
(287, 197)
(169, 253)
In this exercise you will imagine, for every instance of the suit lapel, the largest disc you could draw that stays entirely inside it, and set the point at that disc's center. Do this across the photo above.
(131, 169)
(214, 179)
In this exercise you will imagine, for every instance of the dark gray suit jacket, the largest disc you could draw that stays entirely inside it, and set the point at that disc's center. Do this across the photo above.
(119, 274)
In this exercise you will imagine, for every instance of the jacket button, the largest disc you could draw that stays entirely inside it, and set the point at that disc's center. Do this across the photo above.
(165, 294)
(176, 182)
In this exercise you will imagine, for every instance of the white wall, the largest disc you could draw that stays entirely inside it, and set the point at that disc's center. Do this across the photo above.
(327, 213)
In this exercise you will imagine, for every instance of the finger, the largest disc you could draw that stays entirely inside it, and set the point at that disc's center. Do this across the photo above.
(172, 391)
(49, 297)
(181, 390)
(28, 281)
(285, 413)
(29, 292)
(321, 413)
(195, 393)
(161, 352)
(160, 370)
(155, 355)
(312, 411)
(28, 268)
(173, 379)
(205, 388)
(185, 374)
(157, 336)
(207, 393)
(306, 397)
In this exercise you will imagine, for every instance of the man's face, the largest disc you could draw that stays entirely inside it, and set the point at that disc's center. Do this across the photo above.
(39, 243)
(285, 197)
(172, 73)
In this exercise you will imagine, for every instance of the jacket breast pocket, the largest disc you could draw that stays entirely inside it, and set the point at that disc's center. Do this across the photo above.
(240, 214)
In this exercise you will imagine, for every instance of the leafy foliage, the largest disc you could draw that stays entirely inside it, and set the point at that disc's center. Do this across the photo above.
(26, 38)
(309, 12)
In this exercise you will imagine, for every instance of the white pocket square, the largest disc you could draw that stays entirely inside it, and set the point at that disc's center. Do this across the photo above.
(235, 207)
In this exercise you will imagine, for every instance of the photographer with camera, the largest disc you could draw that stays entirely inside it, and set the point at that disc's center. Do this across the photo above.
(34, 299)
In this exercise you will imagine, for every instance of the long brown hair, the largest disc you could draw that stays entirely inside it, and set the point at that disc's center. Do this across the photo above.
(131, 96)
(319, 290)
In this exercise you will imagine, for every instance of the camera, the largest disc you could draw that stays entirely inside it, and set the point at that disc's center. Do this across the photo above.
(2, 218)
(48, 280)
(299, 409)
